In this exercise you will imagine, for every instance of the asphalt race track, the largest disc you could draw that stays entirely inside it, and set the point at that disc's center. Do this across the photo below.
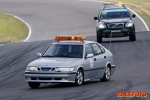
(48, 18)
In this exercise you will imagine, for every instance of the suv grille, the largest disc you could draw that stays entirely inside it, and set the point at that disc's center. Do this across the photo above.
(115, 25)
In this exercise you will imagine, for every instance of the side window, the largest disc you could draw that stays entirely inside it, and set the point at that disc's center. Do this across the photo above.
(99, 15)
(129, 13)
(102, 49)
(96, 49)
(88, 49)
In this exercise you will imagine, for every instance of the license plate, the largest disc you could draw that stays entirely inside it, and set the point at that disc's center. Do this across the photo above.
(113, 31)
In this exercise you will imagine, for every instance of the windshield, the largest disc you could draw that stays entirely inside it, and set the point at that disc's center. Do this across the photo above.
(60, 50)
(115, 13)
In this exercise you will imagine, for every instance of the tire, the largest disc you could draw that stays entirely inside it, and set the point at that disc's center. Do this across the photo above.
(99, 38)
(34, 84)
(79, 79)
(132, 36)
(107, 74)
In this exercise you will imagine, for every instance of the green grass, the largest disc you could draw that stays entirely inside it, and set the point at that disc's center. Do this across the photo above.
(11, 29)
(142, 7)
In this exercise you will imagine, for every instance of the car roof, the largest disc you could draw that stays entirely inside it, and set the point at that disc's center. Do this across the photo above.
(113, 6)
(74, 42)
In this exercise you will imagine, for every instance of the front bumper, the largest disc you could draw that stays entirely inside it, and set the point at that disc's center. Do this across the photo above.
(50, 77)
(115, 32)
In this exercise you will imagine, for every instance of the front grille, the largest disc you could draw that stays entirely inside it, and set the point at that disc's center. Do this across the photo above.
(33, 78)
(45, 78)
(48, 69)
(115, 25)
(57, 78)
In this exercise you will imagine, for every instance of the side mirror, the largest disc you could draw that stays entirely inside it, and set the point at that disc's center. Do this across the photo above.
(133, 16)
(89, 56)
(39, 55)
(95, 18)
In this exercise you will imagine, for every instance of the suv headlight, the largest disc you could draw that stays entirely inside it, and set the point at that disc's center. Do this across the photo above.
(31, 68)
(129, 24)
(64, 69)
(101, 25)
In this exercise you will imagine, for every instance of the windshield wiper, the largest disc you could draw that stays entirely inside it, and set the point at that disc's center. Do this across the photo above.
(64, 56)
(48, 56)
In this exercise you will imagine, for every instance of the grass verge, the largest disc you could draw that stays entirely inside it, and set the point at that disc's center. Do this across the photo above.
(142, 7)
(12, 29)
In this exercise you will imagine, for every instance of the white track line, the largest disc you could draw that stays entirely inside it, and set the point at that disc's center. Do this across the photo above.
(140, 19)
(130, 10)
(1, 44)
(29, 34)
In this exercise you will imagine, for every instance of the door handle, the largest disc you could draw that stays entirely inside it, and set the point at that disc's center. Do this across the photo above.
(104, 56)
(94, 59)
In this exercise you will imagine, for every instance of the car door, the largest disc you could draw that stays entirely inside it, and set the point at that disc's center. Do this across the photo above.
(88, 65)
(99, 60)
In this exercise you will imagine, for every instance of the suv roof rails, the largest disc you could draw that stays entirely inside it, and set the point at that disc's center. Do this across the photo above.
(116, 4)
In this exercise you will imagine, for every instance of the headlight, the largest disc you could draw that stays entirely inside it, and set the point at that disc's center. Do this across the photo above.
(101, 25)
(129, 24)
(31, 68)
(64, 69)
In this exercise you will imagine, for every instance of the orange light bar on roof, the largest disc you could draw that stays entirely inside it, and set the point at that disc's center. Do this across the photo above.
(70, 38)
(119, 3)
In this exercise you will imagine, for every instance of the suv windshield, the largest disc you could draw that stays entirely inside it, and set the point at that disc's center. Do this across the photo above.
(114, 13)
(60, 50)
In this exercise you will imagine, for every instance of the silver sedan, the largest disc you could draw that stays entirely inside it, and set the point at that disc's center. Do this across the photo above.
(71, 61)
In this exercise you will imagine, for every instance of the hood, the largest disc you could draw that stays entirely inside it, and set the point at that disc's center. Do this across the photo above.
(54, 62)
(116, 20)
